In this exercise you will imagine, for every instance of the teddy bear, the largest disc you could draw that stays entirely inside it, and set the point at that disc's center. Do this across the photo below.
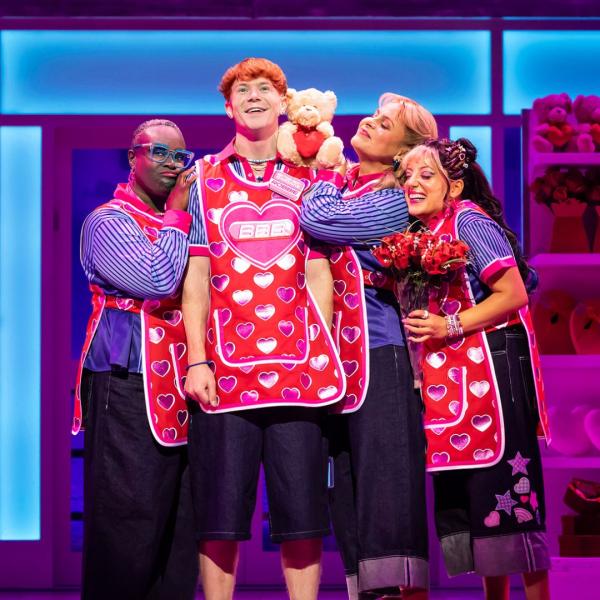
(307, 138)
(553, 132)
(587, 113)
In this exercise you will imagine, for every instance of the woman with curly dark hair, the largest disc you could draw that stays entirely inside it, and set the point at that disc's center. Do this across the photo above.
(482, 385)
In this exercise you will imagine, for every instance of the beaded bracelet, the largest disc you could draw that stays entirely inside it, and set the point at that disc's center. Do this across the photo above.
(202, 362)
(454, 326)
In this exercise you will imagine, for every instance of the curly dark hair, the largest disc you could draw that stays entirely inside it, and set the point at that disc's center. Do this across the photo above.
(459, 159)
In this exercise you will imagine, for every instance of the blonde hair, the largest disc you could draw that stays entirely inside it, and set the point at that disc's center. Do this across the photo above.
(419, 126)
(428, 154)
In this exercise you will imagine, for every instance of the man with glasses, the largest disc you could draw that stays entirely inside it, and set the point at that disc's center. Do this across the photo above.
(138, 537)
(261, 362)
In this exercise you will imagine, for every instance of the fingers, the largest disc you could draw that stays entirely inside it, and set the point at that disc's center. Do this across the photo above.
(419, 314)
(187, 177)
(417, 324)
(420, 339)
(210, 392)
(201, 387)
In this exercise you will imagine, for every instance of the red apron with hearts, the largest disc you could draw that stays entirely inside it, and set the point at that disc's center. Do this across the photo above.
(463, 411)
(163, 344)
(350, 329)
(265, 334)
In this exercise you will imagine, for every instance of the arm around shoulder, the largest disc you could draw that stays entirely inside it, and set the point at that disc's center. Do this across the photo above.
(200, 382)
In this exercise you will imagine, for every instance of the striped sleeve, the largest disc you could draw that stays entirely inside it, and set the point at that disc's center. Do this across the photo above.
(328, 217)
(490, 250)
(116, 254)
(198, 243)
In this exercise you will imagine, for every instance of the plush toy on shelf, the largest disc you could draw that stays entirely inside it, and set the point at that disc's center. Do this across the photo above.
(587, 112)
(307, 138)
(551, 312)
(553, 132)
(584, 324)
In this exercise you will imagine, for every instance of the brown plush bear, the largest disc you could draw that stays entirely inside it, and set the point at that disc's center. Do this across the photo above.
(307, 137)
(587, 113)
(553, 132)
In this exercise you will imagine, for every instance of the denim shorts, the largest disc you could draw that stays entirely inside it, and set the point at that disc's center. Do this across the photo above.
(226, 451)
(492, 520)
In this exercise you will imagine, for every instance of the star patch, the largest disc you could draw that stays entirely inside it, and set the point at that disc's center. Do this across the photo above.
(505, 502)
(519, 464)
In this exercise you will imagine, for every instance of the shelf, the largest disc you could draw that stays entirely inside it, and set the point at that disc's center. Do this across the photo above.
(577, 274)
(570, 361)
(548, 159)
(570, 462)
(553, 261)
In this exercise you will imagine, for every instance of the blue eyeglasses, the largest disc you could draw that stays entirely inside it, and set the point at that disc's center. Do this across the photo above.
(160, 153)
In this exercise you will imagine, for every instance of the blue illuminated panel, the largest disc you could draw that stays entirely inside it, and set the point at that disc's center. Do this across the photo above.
(20, 316)
(482, 140)
(538, 63)
(177, 72)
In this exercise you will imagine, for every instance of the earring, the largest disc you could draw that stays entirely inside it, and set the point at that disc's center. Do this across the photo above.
(131, 179)
(395, 164)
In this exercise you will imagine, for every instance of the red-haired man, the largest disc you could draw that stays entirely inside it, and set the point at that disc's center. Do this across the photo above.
(261, 362)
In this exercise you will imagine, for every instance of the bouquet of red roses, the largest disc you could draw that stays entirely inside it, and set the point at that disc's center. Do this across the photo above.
(420, 253)
(420, 260)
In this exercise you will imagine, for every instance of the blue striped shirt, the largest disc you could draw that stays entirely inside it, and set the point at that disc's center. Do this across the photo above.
(490, 251)
(367, 218)
(119, 258)
(326, 215)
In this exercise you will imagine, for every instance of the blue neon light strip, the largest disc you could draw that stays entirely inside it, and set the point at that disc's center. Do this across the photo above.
(20, 319)
(482, 140)
(538, 63)
(177, 72)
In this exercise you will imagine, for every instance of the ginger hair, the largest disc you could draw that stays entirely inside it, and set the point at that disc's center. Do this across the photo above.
(253, 68)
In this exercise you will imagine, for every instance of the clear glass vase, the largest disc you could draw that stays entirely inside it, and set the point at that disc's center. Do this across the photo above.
(413, 295)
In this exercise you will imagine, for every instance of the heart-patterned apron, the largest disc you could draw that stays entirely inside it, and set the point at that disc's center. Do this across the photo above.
(463, 411)
(163, 343)
(265, 334)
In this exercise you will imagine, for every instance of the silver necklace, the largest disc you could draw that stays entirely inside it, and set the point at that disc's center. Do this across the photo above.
(259, 161)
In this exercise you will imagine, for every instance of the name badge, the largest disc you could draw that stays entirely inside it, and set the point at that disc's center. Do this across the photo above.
(285, 185)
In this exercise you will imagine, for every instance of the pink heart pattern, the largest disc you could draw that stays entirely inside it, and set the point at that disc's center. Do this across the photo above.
(320, 362)
(249, 396)
(492, 520)
(286, 327)
(481, 422)
(227, 384)
(220, 282)
(161, 367)
(156, 334)
(245, 330)
(166, 401)
(240, 224)
(216, 184)
(460, 441)
(290, 394)
(351, 334)
(436, 392)
(436, 359)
